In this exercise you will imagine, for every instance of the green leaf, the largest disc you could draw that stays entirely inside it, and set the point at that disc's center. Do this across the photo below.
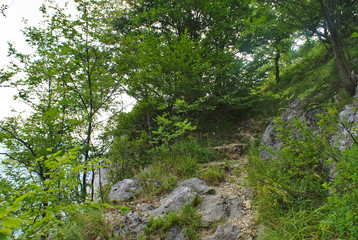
(11, 223)
(3, 236)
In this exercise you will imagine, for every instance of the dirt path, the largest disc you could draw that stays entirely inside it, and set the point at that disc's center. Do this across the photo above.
(235, 185)
(231, 195)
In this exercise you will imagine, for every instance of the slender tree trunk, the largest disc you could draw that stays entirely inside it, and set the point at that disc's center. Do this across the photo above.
(333, 19)
(92, 182)
(348, 82)
(277, 66)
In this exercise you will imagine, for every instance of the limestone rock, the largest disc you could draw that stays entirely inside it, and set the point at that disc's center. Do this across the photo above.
(131, 226)
(175, 233)
(212, 209)
(197, 185)
(124, 190)
(294, 111)
(183, 193)
(347, 127)
(218, 207)
(225, 232)
(174, 201)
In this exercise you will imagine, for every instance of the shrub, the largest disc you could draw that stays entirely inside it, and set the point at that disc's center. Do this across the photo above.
(296, 172)
(297, 197)
(127, 155)
(342, 204)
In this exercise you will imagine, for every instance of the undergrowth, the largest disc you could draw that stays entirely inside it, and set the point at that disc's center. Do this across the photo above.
(213, 175)
(171, 164)
(307, 189)
(188, 220)
(87, 224)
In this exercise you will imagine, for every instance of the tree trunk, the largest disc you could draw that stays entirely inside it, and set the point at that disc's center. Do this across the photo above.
(342, 65)
(277, 67)
(333, 16)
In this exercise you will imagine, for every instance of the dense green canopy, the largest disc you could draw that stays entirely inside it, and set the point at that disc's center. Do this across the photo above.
(190, 65)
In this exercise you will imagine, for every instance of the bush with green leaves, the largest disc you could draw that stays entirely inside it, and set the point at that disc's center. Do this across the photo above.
(171, 128)
(127, 155)
(296, 171)
(39, 209)
(342, 205)
(9, 220)
(308, 188)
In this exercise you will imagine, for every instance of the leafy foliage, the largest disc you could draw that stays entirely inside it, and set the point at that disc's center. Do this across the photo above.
(171, 129)
(185, 51)
(342, 207)
(9, 221)
(298, 198)
(128, 155)
(192, 66)
(69, 82)
(45, 206)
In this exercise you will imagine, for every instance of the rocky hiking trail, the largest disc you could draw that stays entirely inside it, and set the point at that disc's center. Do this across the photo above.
(235, 189)
(226, 209)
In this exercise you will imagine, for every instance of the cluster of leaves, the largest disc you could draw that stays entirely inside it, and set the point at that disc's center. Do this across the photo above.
(342, 207)
(41, 208)
(128, 155)
(185, 51)
(307, 188)
(8, 220)
(170, 129)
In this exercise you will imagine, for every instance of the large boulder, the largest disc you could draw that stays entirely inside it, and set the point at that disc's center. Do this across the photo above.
(218, 207)
(347, 127)
(124, 190)
(295, 110)
(184, 193)
(174, 201)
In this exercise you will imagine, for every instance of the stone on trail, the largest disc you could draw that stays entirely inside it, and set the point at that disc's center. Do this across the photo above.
(124, 190)
(184, 193)
(225, 232)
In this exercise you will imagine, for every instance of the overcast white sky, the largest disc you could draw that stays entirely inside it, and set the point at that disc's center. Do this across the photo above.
(10, 31)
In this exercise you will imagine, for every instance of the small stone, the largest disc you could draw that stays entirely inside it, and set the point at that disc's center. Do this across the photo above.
(248, 204)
